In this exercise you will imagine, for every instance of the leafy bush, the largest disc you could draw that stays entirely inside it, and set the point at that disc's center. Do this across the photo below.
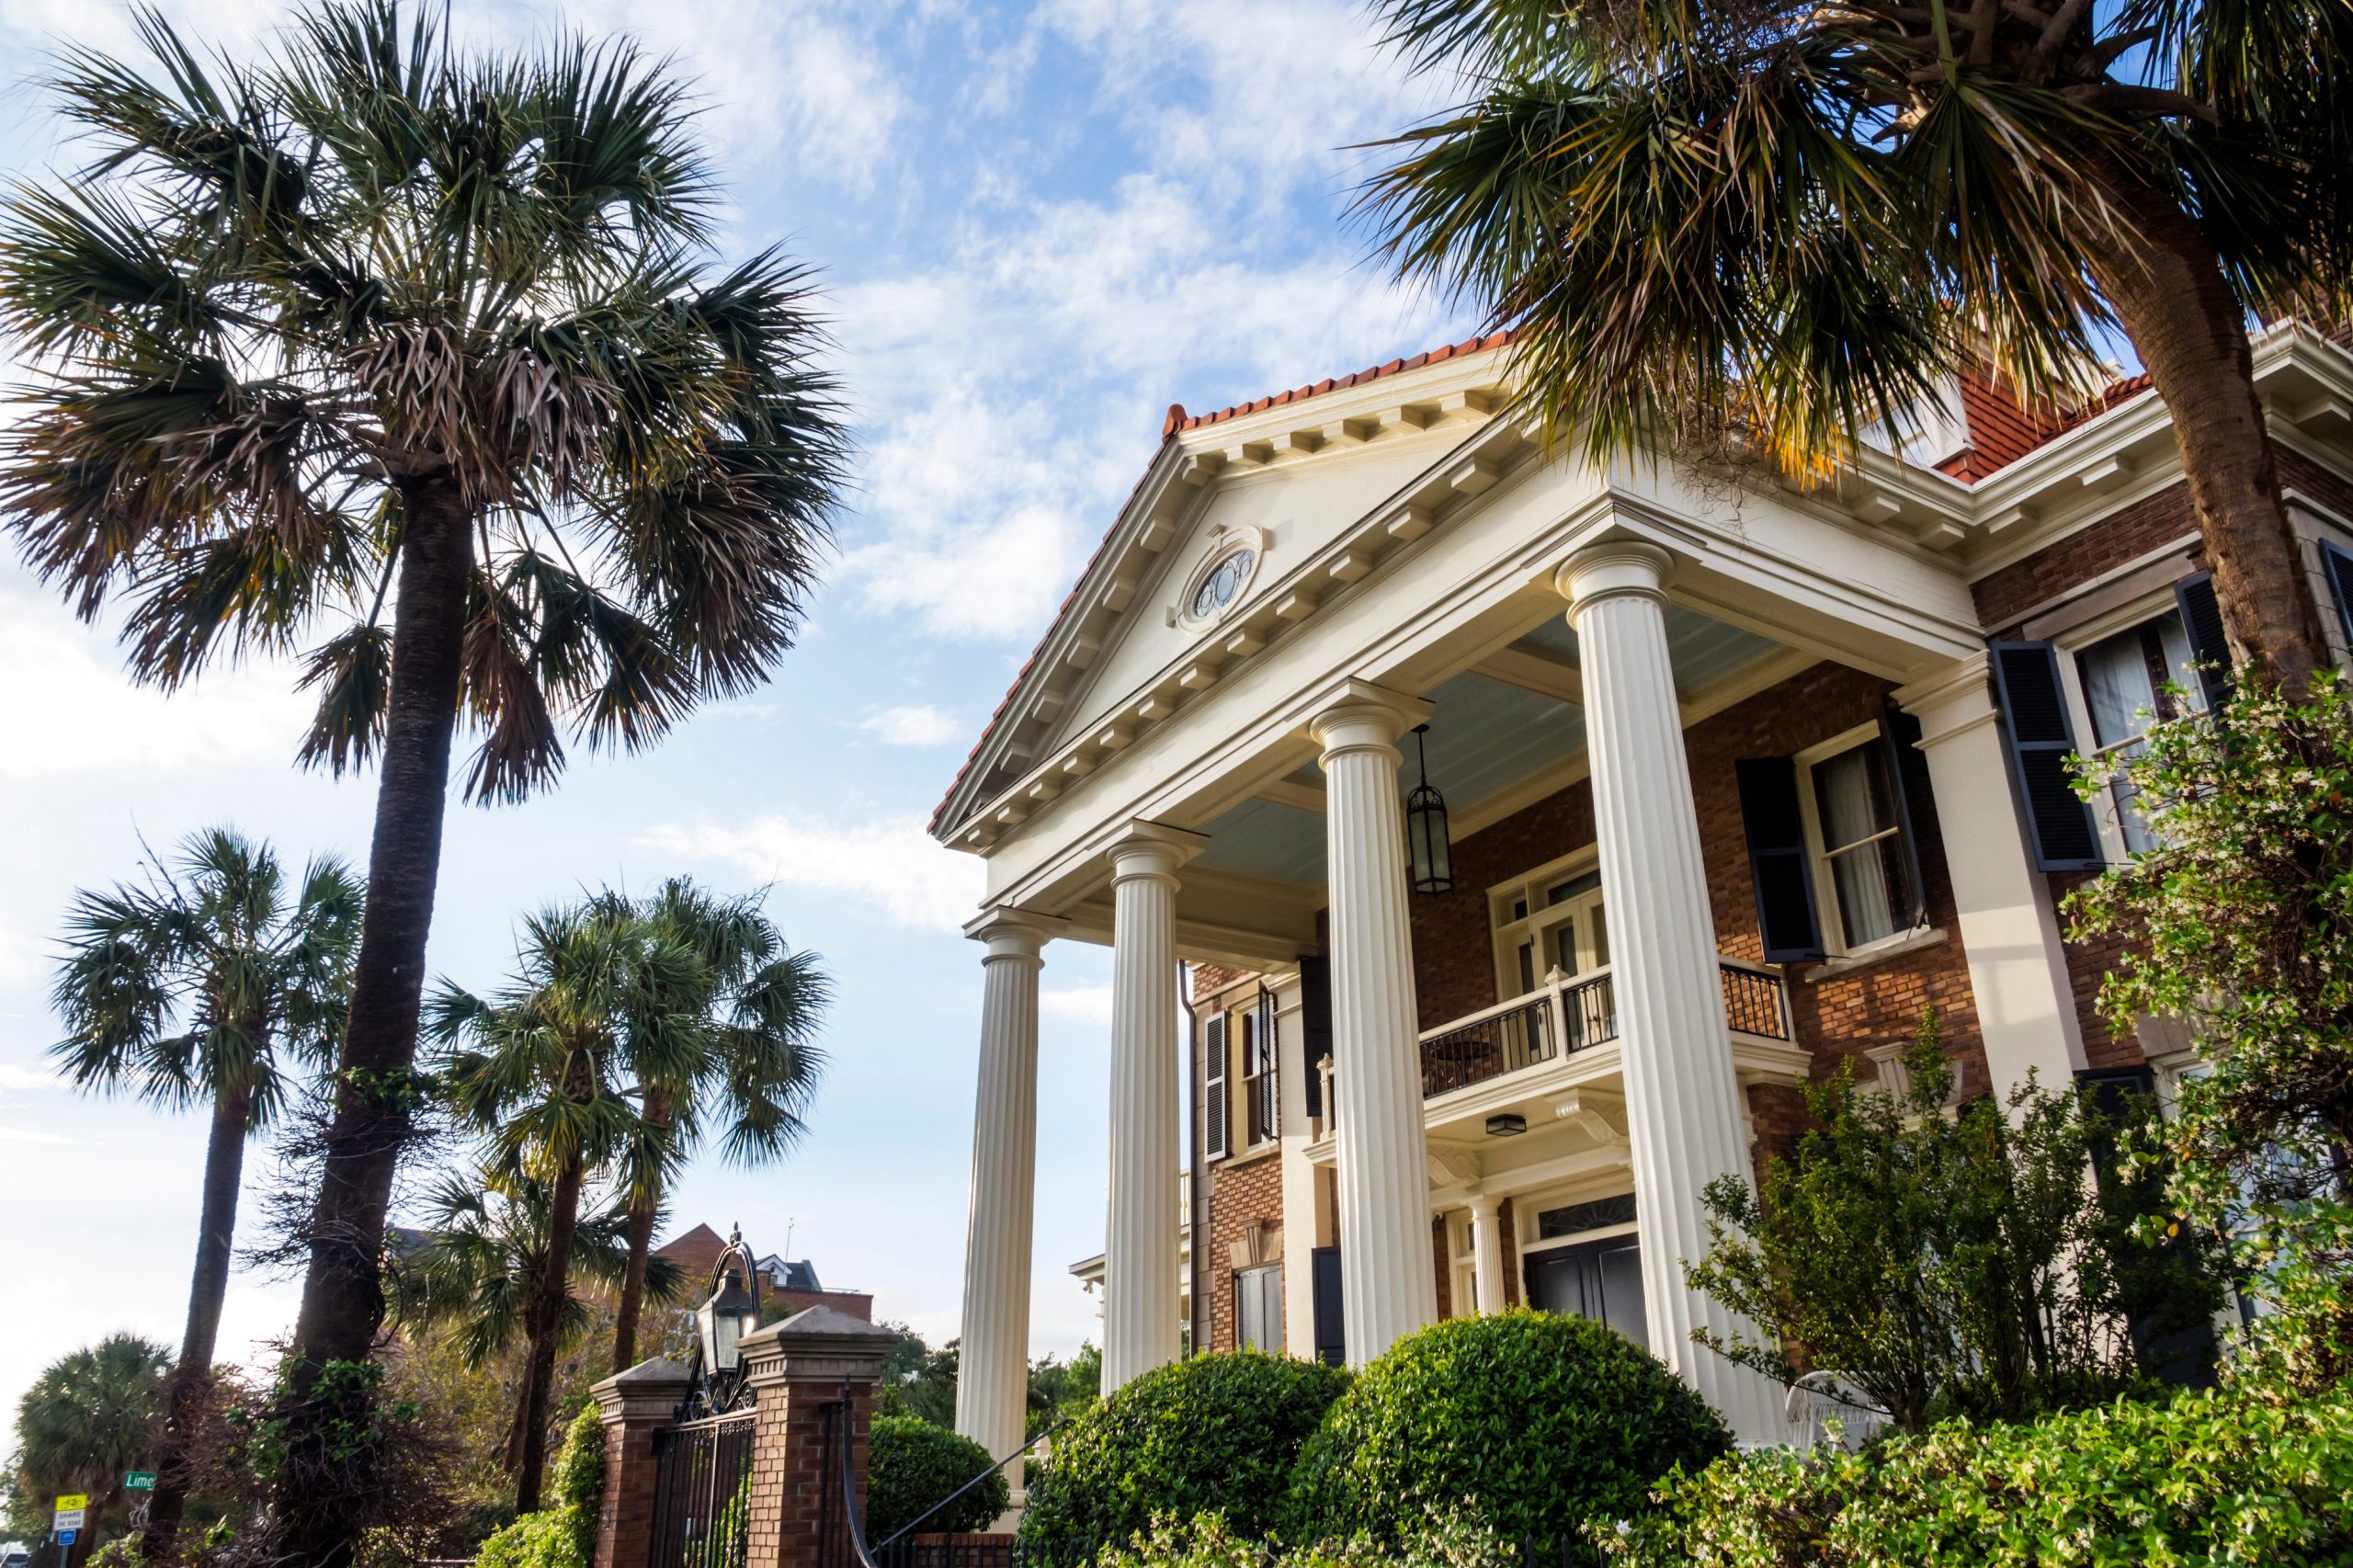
(549, 1539)
(1445, 1538)
(565, 1535)
(2212, 1478)
(1951, 1264)
(1539, 1421)
(1211, 1434)
(911, 1464)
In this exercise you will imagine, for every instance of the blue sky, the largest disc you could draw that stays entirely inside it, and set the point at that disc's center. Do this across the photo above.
(1038, 228)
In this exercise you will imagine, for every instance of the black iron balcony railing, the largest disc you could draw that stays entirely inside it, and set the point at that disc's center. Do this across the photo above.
(1487, 1045)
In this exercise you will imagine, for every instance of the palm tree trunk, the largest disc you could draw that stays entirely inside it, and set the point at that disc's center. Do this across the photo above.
(342, 1302)
(642, 1210)
(224, 1167)
(2174, 303)
(543, 1323)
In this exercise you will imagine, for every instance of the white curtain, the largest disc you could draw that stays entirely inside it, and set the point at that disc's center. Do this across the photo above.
(2123, 700)
(1849, 814)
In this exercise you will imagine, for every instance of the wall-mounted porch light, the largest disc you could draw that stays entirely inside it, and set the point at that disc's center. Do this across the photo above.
(1433, 856)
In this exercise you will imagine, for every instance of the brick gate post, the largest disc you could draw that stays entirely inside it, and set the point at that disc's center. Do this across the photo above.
(633, 1404)
(795, 1368)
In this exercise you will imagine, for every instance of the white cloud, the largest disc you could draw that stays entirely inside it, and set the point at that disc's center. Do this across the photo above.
(1078, 1004)
(23, 1135)
(889, 862)
(16, 1076)
(921, 725)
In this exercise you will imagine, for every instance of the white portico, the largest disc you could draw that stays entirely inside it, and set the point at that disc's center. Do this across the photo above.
(1202, 764)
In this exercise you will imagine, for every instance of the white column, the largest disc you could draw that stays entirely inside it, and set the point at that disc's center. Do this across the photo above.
(2009, 932)
(1387, 1286)
(1140, 1267)
(993, 1382)
(1682, 1097)
(1487, 1251)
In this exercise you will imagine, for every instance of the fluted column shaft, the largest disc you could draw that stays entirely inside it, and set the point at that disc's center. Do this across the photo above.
(1141, 1283)
(992, 1376)
(1682, 1097)
(1387, 1287)
(1487, 1252)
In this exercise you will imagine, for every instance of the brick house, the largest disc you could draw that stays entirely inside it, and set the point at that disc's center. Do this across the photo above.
(1739, 776)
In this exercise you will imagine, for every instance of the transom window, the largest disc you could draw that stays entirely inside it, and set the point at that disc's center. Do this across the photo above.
(1861, 854)
(2124, 676)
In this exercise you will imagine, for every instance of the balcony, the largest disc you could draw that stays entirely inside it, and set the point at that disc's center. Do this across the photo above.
(1564, 1033)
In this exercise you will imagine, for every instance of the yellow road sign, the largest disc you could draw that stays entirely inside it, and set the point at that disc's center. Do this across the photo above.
(74, 1500)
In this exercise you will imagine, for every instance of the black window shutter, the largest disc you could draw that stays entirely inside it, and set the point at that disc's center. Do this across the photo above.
(2034, 711)
(1898, 733)
(1314, 1027)
(2202, 612)
(1331, 1336)
(1270, 1058)
(2338, 567)
(1215, 1122)
(1777, 859)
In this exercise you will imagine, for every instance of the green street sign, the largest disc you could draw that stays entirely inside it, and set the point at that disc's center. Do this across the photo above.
(139, 1480)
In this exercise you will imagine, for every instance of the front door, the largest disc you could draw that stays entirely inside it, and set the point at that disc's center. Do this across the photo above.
(1602, 1280)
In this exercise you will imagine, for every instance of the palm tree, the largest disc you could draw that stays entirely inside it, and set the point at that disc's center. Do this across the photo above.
(1799, 217)
(219, 982)
(86, 1421)
(419, 361)
(485, 1251)
(543, 1071)
(753, 1070)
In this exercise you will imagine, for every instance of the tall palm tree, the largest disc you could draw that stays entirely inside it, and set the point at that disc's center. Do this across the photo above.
(220, 982)
(1800, 216)
(483, 1254)
(542, 1069)
(86, 1421)
(423, 362)
(758, 1004)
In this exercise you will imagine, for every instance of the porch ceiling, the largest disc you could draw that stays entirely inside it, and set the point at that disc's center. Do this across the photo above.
(1486, 734)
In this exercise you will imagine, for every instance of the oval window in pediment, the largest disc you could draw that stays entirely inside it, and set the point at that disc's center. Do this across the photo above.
(1223, 584)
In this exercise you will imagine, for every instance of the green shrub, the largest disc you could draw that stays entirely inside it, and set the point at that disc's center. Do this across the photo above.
(1211, 1434)
(1449, 1537)
(912, 1464)
(549, 1539)
(1536, 1420)
(2211, 1478)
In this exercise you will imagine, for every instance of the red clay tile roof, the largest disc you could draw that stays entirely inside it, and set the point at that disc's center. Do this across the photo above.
(2001, 430)
(1176, 421)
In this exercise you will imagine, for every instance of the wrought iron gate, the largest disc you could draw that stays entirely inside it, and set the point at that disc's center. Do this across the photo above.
(702, 1485)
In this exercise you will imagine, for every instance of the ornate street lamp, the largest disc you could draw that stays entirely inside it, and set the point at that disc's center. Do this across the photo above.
(1433, 856)
(727, 1314)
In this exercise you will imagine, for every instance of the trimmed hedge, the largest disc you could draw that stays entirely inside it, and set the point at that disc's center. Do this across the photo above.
(1210, 1434)
(1537, 1421)
(2211, 1478)
(912, 1464)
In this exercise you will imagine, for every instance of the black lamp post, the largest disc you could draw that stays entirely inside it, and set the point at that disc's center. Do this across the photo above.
(729, 1314)
(1433, 856)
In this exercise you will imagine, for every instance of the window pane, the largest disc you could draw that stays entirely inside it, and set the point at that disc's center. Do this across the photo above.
(1851, 795)
(1519, 909)
(1599, 920)
(1872, 899)
(1560, 893)
(2117, 688)
(1564, 946)
(1526, 967)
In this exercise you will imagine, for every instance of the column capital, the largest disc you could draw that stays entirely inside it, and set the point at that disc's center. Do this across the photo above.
(1615, 568)
(1952, 702)
(1014, 933)
(1150, 849)
(1357, 715)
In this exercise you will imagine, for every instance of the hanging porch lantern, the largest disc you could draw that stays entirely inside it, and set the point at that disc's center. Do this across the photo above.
(1432, 854)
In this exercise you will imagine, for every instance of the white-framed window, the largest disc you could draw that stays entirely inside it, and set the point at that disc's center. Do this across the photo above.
(1553, 917)
(1258, 1308)
(2116, 669)
(1854, 827)
(1261, 1082)
(1461, 1265)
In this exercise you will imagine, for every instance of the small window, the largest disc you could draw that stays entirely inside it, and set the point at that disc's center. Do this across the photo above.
(2124, 679)
(1258, 1308)
(1462, 1266)
(1862, 851)
(1556, 922)
(1261, 1093)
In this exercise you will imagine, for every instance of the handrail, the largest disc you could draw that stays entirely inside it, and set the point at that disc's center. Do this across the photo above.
(908, 1528)
(851, 1512)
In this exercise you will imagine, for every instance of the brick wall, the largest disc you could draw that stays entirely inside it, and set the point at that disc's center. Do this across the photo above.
(2124, 535)
(1243, 1190)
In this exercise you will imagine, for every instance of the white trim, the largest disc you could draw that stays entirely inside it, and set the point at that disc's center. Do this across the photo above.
(2070, 646)
(1828, 911)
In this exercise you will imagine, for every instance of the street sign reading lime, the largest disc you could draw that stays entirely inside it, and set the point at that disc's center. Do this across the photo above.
(139, 1480)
